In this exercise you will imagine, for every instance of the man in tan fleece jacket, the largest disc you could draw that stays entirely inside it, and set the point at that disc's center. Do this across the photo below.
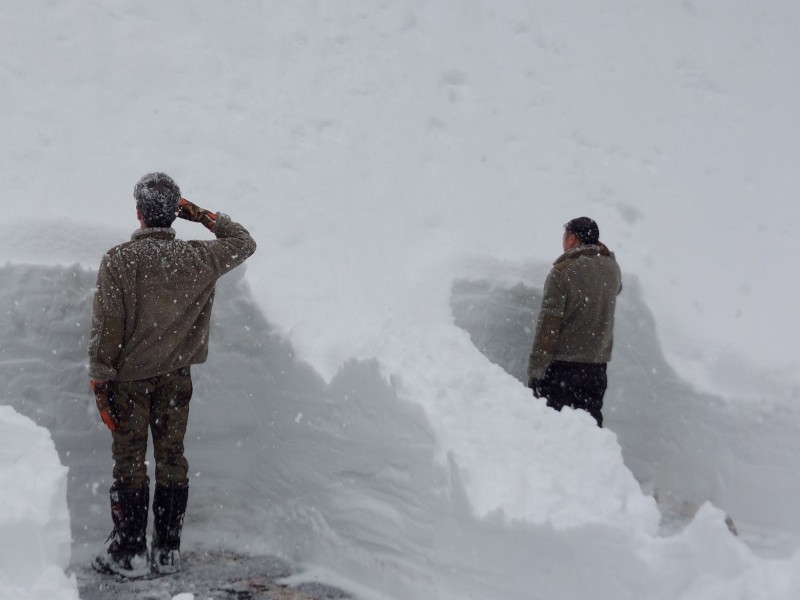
(575, 329)
(150, 323)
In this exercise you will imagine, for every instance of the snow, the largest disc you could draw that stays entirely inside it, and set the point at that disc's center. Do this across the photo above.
(34, 522)
(406, 169)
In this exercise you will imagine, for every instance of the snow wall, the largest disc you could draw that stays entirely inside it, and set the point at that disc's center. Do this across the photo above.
(34, 522)
(350, 475)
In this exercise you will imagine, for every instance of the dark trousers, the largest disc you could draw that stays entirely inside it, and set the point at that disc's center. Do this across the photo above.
(578, 385)
(159, 404)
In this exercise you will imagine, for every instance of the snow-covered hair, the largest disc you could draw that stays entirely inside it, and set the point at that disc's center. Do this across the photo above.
(157, 198)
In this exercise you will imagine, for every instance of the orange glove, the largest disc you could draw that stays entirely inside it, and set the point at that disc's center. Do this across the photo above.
(101, 395)
(192, 212)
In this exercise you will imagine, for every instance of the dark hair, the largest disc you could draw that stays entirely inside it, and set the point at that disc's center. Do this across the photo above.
(157, 198)
(585, 229)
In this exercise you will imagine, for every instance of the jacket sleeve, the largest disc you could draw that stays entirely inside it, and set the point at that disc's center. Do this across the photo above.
(233, 245)
(108, 325)
(548, 326)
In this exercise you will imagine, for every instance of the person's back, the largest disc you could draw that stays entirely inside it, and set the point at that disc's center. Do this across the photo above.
(150, 324)
(166, 289)
(591, 280)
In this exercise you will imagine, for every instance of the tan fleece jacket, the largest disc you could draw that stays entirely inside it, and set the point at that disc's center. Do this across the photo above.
(152, 305)
(576, 322)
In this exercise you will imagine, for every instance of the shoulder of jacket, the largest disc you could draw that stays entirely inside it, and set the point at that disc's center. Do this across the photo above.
(114, 252)
(564, 264)
(119, 249)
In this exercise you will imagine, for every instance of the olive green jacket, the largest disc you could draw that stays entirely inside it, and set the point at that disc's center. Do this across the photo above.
(152, 304)
(576, 321)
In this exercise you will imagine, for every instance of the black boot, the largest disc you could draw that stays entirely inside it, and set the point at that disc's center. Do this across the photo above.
(169, 507)
(127, 553)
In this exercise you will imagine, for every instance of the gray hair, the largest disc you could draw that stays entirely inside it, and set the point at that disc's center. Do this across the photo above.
(157, 199)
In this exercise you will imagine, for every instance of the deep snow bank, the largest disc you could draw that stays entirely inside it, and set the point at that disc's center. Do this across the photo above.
(34, 522)
(353, 474)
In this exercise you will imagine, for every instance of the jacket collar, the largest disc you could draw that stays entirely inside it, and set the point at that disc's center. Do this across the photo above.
(154, 233)
(598, 249)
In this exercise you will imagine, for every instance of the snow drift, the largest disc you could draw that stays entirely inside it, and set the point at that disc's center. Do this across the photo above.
(34, 523)
(350, 475)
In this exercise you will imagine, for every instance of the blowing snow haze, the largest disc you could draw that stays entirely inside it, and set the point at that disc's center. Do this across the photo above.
(406, 169)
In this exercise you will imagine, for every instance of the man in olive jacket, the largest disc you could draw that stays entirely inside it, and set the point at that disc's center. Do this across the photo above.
(150, 323)
(575, 329)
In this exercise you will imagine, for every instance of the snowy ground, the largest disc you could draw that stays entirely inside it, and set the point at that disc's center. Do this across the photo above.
(406, 170)
(214, 574)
